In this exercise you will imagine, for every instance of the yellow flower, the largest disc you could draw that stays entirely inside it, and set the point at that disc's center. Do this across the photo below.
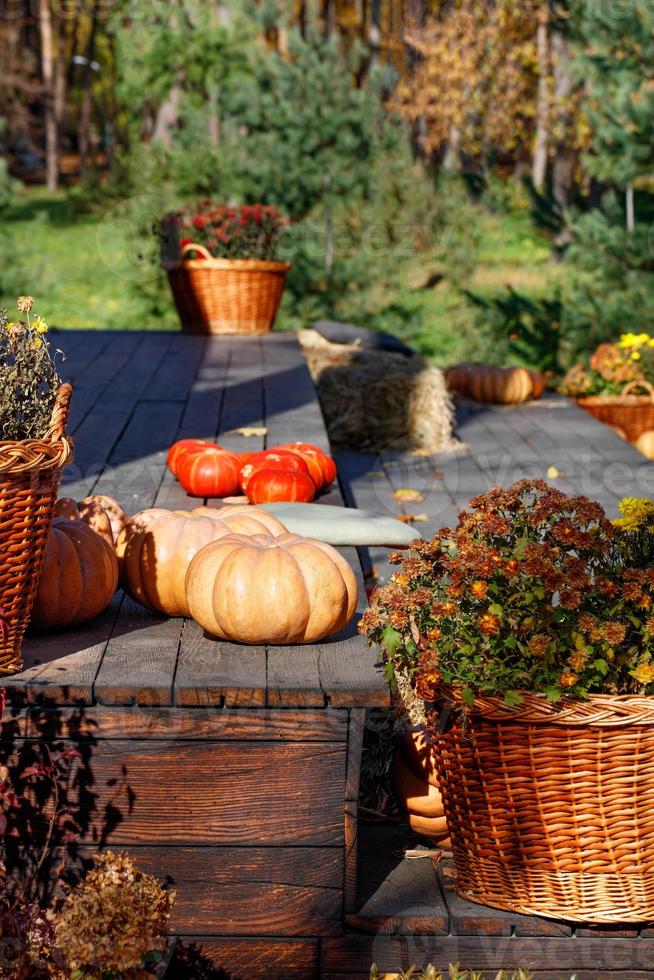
(635, 356)
(644, 673)
(479, 589)
(637, 513)
(38, 343)
(568, 679)
(39, 324)
(25, 303)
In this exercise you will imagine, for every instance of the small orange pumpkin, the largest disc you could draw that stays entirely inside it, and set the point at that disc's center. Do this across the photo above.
(260, 589)
(102, 513)
(645, 443)
(79, 576)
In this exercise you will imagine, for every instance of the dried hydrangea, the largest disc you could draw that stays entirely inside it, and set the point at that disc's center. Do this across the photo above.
(114, 919)
(29, 379)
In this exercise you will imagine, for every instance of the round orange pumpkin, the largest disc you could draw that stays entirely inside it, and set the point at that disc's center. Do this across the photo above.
(261, 589)
(79, 576)
(157, 546)
(512, 386)
(314, 455)
(645, 444)
(102, 513)
(537, 384)
(266, 486)
(209, 473)
(272, 459)
(183, 446)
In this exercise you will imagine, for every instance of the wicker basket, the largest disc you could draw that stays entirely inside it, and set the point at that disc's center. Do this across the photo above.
(226, 296)
(634, 414)
(551, 811)
(30, 470)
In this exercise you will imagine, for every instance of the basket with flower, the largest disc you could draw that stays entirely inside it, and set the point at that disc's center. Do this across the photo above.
(529, 628)
(223, 268)
(34, 449)
(616, 385)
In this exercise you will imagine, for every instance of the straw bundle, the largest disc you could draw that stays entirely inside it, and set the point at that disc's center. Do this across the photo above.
(373, 399)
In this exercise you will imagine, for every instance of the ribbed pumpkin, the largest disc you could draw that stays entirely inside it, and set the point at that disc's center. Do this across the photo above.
(266, 486)
(261, 589)
(184, 446)
(157, 546)
(211, 472)
(282, 459)
(416, 787)
(102, 513)
(317, 461)
(79, 576)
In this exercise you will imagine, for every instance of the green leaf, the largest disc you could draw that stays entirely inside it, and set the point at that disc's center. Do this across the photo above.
(511, 642)
(512, 698)
(391, 640)
(495, 609)
(155, 956)
(600, 665)
(553, 693)
(468, 697)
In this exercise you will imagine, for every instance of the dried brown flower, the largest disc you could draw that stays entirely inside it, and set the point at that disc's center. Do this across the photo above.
(114, 918)
(29, 380)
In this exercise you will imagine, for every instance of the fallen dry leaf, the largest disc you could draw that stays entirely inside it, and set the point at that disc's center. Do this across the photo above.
(254, 430)
(408, 495)
(420, 452)
(412, 518)
(552, 473)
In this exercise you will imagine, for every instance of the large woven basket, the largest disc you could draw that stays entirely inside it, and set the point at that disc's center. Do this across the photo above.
(551, 811)
(30, 470)
(226, 296)
(634, 414)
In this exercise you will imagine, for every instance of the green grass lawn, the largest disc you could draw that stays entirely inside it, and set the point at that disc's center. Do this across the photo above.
(87, 271)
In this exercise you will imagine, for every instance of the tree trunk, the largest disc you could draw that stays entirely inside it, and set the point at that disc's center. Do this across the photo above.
(168, 114)
(84, 131)
(539, 168)
(631, 218)
(47, 72)
(564, 160)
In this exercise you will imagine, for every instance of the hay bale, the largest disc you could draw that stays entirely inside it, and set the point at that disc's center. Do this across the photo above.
(375, 399)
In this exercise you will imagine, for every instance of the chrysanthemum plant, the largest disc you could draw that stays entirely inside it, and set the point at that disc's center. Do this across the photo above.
(533, 591)
(245, 231)
(612, 366)
(29, 380)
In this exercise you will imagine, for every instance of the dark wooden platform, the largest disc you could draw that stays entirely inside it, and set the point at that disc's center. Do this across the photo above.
(233, 771)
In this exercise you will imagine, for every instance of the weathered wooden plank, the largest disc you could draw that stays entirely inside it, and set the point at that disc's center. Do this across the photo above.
(201, 793)
(254, 959)
(396, 894)
(346, 956)
(210, 672)
(294, 677)
(139, 661)
(177, 370)
(164, 724)
(60, 668)
(350, 855)
(244, 891)
(91, 383)
(469, 919)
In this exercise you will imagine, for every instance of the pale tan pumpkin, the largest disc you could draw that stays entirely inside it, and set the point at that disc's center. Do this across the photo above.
(156, 547)
(261, 589)
(79, 576)
(102, 513)
(645, 444)
(512, 386)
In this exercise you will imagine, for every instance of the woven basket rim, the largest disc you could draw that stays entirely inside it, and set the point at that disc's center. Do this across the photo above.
(21, 456)
(615, 400)
(231, 265)
(597, 711)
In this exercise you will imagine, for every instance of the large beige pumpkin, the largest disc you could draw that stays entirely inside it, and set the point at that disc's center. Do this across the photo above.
(102, 513)
(79, 576)
(645, 444)
(156, 547)
(261, 589)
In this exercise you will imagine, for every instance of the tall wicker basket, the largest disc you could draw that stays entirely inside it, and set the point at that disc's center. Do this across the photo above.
(632, 413)
(226, 296)
(30, 470)
(551, 811)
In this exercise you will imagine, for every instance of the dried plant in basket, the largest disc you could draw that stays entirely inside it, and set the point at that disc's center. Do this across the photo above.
(29, 380)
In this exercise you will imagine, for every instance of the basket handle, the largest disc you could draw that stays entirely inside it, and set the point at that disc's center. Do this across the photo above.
(190, 247)
(59, 417)
(639, 384)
